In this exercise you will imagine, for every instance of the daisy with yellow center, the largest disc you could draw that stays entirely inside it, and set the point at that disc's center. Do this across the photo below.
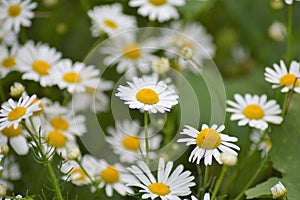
(16, 13)
(75, 77)
(148, 94)
(254, 110)
(127, 140)
(129, 54)
(160, 10)
(8, 59)
(12, 113)
(210, 142)
(36, 61)
(110, 20)
(281, 77)
(167, 186)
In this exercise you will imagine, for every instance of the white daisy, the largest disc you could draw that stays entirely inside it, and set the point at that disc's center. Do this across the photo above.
(16, 13)
(209, 142)
(280, 77)
(12, 113)
(11, 172)
(110, 19)
(8, 59)
(260, 141)
(112, 177)
(167, 186)
(162, 10)
(129, 54)
(7, 37)
(254, 110)
(127, 141)
(75, 77)
(192, 36)
(94, 99)
(36, 61)
(148, 94)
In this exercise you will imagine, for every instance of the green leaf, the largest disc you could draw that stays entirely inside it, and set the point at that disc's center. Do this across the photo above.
(262, 190)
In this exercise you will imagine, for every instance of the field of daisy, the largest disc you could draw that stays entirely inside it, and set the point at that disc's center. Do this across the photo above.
(149, 99)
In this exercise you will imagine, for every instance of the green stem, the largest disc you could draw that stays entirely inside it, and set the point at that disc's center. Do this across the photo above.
(200, 179)
(285, 104)
(217, 186)
(205, 181)
(54, 180)
(2, 95)
(289, 33)
(146, 135)
(262, 165)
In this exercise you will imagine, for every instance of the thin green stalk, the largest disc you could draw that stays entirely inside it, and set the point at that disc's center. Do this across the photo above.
(53, 180)
(146, 135)
(285, 104)
(219, 181)
(200, 178)
(205, 181)
(289, 33)
(291, 96)
(2, 95)
(261, 167)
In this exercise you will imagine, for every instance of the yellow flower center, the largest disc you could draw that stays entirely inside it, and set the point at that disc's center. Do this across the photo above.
(288, 80)
(131, 143)
(110, 24)
(208, 139)
(60, 123)
(160, 189)
(253, 111)
(132, 51)
(267, 143)
(11, 132)
(40, 106)
(16, 113)
(110, 175)
(40, 66)
(9, 62)
(79, 173)
(158, 2)
(14, 10)
(56, 139)
(72, 77)
(147, 96)
(90, 90)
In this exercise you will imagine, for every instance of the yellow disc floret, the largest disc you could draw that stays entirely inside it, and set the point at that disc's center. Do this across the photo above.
(253, 111)
(132, 51)
(110, 175)
(16, 113)
(56, 139)
(131, 143)
(147, 96)
(208, 139)
(288, 80)
(42, 67)
(160, 189)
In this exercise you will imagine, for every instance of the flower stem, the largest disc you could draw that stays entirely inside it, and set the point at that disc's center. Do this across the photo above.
(262, 165)
(289, 33)
(54, 180)
(284, 108)
(146, 135)
(205, 181)
(219, 181)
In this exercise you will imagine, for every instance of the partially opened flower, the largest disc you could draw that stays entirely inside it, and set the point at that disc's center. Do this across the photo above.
(254, 110)
(148, 94)
(162, 10)
(167, 186)
(281, 77)
(209, 143)
(16, 13)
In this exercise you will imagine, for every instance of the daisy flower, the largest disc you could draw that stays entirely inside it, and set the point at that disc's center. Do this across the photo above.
(93, 98)
(12, 113)
(8, 37)
(16, 13)
(75, 77)
(127, 141)
(8, 59)
(110, 20)
(281, 77)
(162, 10)
(254, 110)
(11, 172)
(112, 177)
(261, 141)
(209, 143)
(36, 61)
(148, 94)
(129, 54)
(167, 186)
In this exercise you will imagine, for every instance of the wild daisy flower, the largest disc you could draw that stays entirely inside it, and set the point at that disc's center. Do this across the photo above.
(112, 177)
(161, 66)
(12, 113)
(127, 141)
(254, 110)
(16, 13)
(280, 77)
(129, 54)
(75, 77)
(278, 190)
(110, 20)
(8, 59)
(261, 141)
(8, 37)
(36, 61)
(167, 186)
(209, 142)
(162, 10)
(148, 94)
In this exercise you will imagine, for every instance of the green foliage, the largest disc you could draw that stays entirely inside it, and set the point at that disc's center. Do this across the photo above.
(262, 190)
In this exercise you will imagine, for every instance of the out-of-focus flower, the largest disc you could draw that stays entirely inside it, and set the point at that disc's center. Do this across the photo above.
(276, 4)
(261, 141)
(289, 2)
(8, 61)
(187, 53)
(161, 65)
(73, 153)
(228, 159)
(277, 31)
(7, 37)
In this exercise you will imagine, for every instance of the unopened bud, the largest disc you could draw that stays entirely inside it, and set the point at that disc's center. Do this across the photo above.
(2, 190)
(276, 4)
(289, 2)
(277, 31)
(228, 159)
(187, 53)
(16, 90)
(161, 65)
(73, 153)
(5, 149)
(278, 190)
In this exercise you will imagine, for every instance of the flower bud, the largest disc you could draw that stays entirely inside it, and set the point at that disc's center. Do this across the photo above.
(16, 90)
(73, 153)
(161, 65)
(277, 31)
(276, 4)
(2, 190)
(187, 53)
(228, 159)
(278, 190)
(4, 149)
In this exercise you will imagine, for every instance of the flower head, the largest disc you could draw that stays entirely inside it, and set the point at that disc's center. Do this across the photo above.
(278, 190)
(8, 60)
(209, 142)
(254, 110)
